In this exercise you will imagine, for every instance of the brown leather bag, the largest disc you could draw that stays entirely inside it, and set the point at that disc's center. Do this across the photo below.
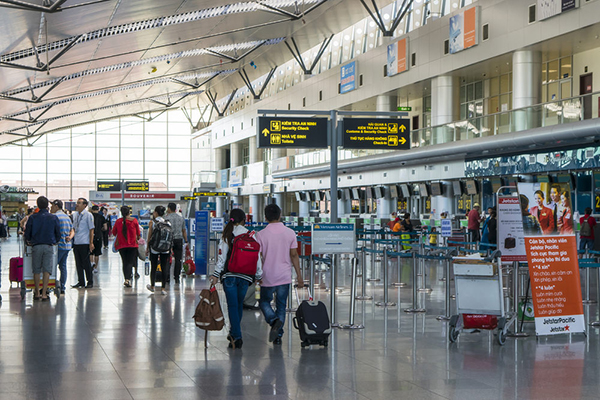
(208, 315)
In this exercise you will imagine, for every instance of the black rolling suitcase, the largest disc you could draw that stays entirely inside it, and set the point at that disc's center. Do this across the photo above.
(312, 321)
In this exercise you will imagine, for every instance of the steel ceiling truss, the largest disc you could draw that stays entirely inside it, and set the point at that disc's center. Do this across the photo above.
(235, 59)
(41, 67)
(179, 79)
(213, 99)
(248, 83)
(137, 26)
(298, 56)
(197, 126)
(46, 7)
(293, 16)
(220, 50)
(171, 100)
(378, 19)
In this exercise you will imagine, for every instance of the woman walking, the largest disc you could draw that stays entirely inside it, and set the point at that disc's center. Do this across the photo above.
(127, 234)
(157, 257)
(235, 285)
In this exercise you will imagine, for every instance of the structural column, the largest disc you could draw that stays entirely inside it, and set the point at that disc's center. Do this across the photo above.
(256, 208)
(527, 88)
(444, 107)
(235, 150)
(304, 210)
(255, 154)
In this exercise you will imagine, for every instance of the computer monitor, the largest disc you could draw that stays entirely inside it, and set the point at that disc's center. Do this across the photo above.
(423, 190)
(394, 192)
(369, 192)
(379, 192)
(355, 194)
(405, 190)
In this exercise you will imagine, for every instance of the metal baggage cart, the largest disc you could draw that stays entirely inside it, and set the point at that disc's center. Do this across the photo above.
(479, 290)
(27, 282)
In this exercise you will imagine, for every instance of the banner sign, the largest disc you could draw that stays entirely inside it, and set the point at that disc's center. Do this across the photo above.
(550, 8)
(188, 198)
(446, 227)
(397, 54)
(510, 229)
(464, 30)
(333, 239)
(583, 158)
(236, 176)
(208, 206)
(140, 186)
(348, 78)
(551, 248)
(367, 133)
(202, 237)
(109, 186)
(144, 196)
(292, 132)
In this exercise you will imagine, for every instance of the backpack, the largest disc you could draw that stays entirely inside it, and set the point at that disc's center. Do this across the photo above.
(586, 229)
(208, 315)
(98, 223)
(162, 237)
(243, 255)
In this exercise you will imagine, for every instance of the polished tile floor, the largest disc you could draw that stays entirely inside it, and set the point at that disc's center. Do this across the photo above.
(112, 342)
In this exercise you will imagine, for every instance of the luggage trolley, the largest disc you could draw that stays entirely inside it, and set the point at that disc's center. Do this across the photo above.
(27, 282)
(479, 297)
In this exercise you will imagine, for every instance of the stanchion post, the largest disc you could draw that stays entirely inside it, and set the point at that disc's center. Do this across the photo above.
(447, 313)
(516, 296)
(587, 281)
(311, 278)
(332, 299)
(415, 308)
(363, 261)
(385, 302)
(351, 324)
(399, 267)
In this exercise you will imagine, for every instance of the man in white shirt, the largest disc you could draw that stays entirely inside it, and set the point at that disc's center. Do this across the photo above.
(83, 243)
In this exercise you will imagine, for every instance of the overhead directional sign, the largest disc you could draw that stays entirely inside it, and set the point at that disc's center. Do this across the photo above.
(109, 186)
(211, 194)
(139, 186)
(375, 133)
(187, 198)
(292, 132)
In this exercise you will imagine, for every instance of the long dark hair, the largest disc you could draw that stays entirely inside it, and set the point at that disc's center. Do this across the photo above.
(236, 216)
(124, 213)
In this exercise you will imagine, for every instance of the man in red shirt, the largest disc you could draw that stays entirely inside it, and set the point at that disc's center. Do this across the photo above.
(474, 221)
(586, 234)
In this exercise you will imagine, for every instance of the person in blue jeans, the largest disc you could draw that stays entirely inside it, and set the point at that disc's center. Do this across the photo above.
(64, 246)
(235, 285)
(279, 251)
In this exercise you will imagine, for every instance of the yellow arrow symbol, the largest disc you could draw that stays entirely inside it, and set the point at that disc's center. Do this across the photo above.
(402, 128)
(265, 131)
(402, 140)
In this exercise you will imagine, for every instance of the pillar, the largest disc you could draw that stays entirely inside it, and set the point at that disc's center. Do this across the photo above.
(444, 107)
(344, 207)
(256, 208)
(444, 202)
(219, 159)
(255, 153)
(304, 210)
(385, 206)
(278, 153)
(280, 200)
(527, 88)
(386, 103)
(221, 206)
(235, 154)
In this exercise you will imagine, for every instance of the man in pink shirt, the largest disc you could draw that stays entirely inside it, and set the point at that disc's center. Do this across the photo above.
(279, 251)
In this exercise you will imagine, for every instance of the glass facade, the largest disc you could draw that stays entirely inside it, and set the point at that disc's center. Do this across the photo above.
(68, 163)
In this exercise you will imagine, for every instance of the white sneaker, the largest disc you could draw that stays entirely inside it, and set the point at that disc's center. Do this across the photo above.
(150, 288)
(163, 292)
(94, 270)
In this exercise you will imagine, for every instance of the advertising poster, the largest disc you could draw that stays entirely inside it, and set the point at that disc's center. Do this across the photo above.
(464, 30)
(510, 229)
(551, 248)
(348, 77)
(550, 8)
(397, 54)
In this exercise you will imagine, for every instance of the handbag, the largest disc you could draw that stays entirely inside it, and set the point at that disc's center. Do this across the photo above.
(142, 249)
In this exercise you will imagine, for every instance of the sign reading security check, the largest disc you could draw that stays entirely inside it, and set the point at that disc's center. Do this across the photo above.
(283, 132)
(333, 239)
(366, 133)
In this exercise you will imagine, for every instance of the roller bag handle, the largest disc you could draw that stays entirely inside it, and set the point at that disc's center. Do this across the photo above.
(310, 298)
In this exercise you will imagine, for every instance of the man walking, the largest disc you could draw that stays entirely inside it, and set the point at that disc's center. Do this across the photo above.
(107, 228)
(279, 251)
(83, 243)
(64, 246)
(179, 238)
(43, 233)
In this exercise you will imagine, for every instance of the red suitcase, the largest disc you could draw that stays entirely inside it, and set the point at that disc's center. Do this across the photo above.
(480, 321)
(15, 272)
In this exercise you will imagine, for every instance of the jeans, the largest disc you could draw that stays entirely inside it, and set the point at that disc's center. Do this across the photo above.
(235, 291)
(266, 296)
(62, 267)
(586, 242)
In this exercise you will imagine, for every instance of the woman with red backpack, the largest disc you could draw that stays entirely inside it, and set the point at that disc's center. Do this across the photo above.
(236, 278)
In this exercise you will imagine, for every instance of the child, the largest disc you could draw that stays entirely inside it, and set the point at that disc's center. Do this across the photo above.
(433, 237)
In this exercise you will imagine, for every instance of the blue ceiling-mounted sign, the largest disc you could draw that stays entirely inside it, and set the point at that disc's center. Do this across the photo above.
(348, 77)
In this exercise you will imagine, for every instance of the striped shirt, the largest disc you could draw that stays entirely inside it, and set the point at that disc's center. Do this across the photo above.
(65, 230)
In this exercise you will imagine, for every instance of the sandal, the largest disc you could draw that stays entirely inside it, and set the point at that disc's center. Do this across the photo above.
(37, 297)
(45, 298)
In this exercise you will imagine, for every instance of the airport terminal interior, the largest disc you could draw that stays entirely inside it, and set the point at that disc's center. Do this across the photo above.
(346, 114)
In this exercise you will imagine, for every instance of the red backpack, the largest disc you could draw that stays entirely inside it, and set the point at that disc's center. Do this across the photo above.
(243, 255)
